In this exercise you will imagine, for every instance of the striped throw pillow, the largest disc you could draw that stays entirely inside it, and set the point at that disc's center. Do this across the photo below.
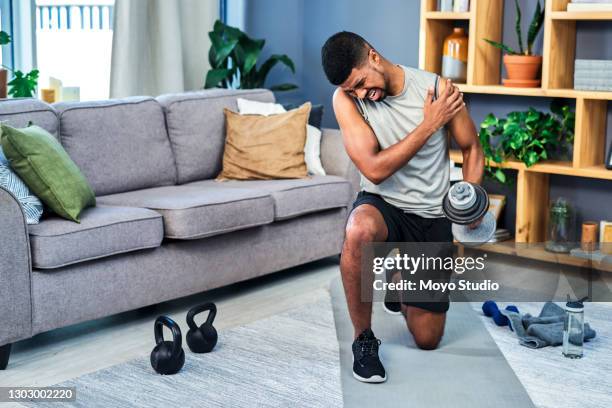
(32, 207)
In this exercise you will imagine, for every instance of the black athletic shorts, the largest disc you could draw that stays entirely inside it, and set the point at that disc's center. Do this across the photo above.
(406, 227)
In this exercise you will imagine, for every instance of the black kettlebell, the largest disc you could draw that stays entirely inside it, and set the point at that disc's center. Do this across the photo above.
(204, 338)
(167, 357)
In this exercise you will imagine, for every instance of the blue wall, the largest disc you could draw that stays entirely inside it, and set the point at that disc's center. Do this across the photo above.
(300, 27)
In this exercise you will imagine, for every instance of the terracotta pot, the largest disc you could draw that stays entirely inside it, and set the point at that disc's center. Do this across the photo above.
(454, 56)
(523, 67)
(3, 82)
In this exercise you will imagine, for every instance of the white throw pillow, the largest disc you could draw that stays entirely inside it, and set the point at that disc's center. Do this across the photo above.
(312, 149)
(247, 107)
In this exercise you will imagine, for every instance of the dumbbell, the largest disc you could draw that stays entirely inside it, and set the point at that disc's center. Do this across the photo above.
(204, 338)
(167, 357)
(490, 309)
(465, 203)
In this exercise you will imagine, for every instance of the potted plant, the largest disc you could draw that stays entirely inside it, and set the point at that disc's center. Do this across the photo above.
(22, 85)
(522, 66)
(233, 59)
(529, 136)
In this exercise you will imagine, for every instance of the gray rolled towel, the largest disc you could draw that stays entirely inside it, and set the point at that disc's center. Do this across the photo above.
(543, 330)
(552, 334)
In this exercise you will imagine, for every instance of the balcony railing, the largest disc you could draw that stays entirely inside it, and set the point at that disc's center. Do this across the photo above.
(74, 15)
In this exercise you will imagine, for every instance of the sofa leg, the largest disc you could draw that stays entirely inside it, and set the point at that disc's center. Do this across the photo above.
(5, 352)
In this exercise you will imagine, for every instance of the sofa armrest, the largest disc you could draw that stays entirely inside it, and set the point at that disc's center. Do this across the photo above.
(334, 158)
(15, 271)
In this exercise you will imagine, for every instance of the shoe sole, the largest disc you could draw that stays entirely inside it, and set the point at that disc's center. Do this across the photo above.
(391, 312)
(375, 379)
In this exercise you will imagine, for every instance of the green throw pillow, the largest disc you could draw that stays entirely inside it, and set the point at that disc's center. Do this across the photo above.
(45, 167)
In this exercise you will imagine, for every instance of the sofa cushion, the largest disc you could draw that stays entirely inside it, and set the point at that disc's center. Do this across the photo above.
(296, 197)
(103, 231)
(20, 112)
(192, 212)
(196, 127)
(120, 145)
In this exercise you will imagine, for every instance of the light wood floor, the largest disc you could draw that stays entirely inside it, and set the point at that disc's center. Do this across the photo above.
(59, 355)
(62, 354)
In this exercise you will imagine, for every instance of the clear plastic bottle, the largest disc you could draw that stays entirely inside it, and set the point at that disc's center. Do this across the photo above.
(573, 329)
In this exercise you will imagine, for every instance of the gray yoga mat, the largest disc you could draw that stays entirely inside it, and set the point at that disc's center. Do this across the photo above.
(467, 370)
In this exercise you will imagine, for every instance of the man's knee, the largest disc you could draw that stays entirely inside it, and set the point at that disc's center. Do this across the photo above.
(427, 341)
(365, 225)
(360, 232)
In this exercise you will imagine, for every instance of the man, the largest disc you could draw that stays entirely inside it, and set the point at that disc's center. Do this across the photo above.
(392, 119)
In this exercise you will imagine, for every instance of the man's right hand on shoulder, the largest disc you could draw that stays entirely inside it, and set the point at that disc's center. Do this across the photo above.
(439, 112)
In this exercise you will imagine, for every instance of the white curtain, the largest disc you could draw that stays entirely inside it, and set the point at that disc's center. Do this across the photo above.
(160, 46)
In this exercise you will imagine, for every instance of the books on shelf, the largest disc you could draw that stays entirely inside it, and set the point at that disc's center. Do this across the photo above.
(594, 64)
(592, 1)
(589, 6)
(496, 204)
(500, 235)
(593, 75)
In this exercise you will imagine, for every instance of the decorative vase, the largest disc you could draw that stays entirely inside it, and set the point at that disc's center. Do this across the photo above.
(3, 82)
(561, 222)
(523, 70)
(454, 56)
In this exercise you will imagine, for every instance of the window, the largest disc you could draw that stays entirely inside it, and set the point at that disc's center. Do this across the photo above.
(6, 56)
(74, 43)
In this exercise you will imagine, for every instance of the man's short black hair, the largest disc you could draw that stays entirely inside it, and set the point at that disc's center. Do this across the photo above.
(341, 53)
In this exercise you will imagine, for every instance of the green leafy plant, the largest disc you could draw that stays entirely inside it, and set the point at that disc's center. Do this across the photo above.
(233, 59)
(22, 85)
(529, 136)
(534, 28)
(4, 38)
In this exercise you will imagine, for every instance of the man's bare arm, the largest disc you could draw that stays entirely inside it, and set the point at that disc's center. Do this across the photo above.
(464, 132)
(362, 146)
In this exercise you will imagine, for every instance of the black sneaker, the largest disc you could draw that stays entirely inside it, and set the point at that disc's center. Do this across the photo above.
(366, 364)
(392, 304)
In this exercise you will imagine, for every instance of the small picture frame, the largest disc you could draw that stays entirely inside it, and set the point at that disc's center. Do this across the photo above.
(609, 158)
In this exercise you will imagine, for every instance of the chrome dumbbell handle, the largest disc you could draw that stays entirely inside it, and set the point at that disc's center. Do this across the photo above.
(462, 195)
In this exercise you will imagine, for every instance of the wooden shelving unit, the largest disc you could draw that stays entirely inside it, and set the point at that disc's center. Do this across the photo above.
(538, 253)
(550, 93)
(564, 168)
(446, 15)
(581, 15)
(484, 77)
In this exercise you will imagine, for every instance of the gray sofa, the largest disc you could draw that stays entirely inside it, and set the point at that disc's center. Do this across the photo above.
(163, 228)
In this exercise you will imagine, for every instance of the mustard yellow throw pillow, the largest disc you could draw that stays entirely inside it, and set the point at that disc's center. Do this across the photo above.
(261, 147)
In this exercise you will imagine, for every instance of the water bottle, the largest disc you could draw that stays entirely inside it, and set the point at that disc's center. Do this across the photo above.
(573, 329)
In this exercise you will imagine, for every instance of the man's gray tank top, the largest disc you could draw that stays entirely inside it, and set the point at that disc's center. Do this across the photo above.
(418, 187)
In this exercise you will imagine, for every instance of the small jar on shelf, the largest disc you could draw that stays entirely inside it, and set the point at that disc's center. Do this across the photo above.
(561, 226)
